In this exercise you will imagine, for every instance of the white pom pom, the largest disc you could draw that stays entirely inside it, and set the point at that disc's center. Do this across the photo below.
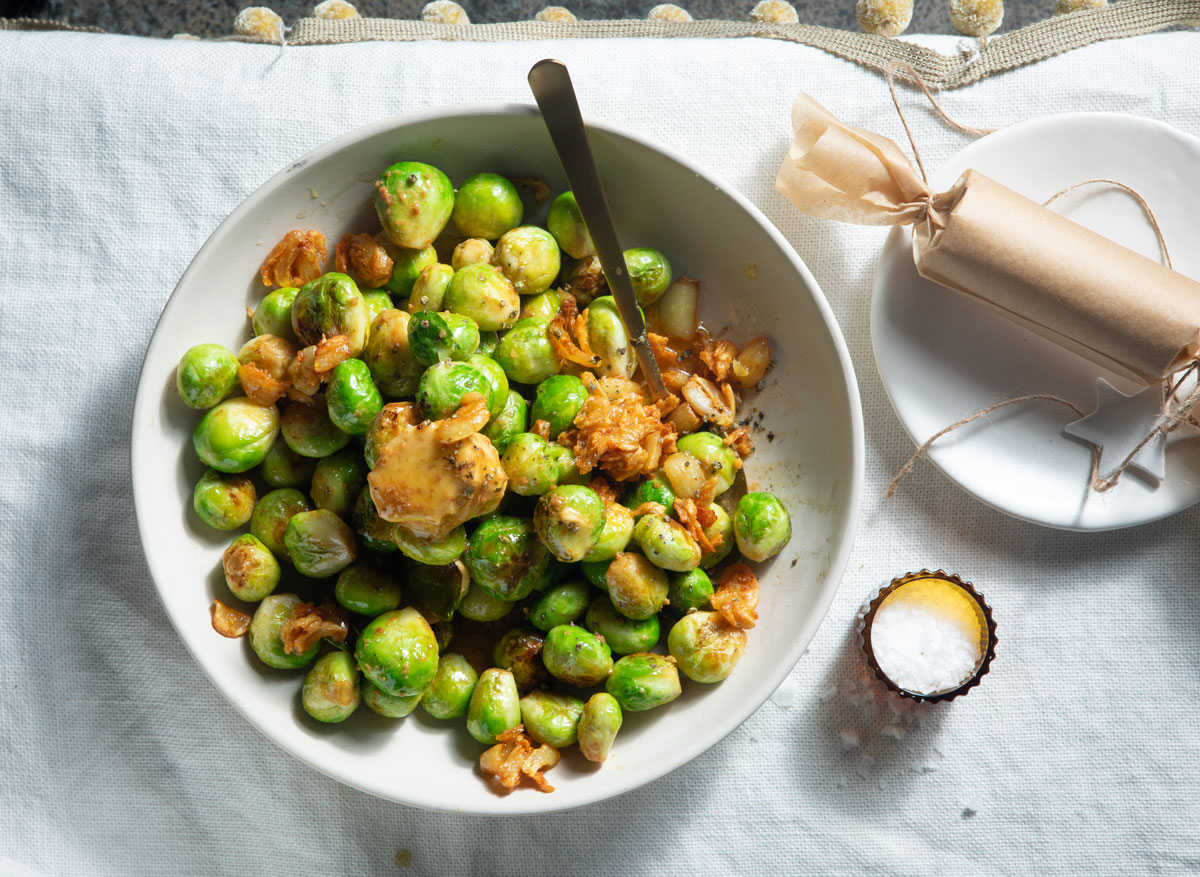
(444, 12)
(555, 14)
(668, 12)
(774, 12)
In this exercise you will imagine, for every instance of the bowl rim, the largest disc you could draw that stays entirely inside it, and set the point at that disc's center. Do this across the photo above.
(149, 398)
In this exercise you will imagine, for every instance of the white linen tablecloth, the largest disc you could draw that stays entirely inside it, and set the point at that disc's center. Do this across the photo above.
(1080, 752)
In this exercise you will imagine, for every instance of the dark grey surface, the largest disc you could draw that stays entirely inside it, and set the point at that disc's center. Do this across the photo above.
(215, 17)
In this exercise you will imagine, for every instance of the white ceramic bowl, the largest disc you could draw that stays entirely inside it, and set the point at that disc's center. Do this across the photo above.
(752, 282)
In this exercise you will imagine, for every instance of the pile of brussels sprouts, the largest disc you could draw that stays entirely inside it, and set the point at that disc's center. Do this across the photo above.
(558, 590)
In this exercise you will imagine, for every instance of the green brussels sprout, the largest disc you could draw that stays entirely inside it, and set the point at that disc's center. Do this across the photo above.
(714, 455)
(266, 638)
(552, 719)
(331, 690)
(486, 206)
(377, 301)
(542, 306)
(393, 366)
(472, 251)
(414, 201)
(389, 705)
(650, 273)
(319, 543)
(283, 467)
(638, 588)
(511, 422)
(352, 398)
(443, 385)
(386, 427)
(309, 431)
(273, 316)
(398, 652)
(556, 573)
(338, 480)
(496, 377)
(558, 400)
(529, 258)
(689, 591)
(494, 707)
(485, 295)
(331, 305)
(569, 520)
(222, 501)
(449, 695)
(407, 265)
(616, 535)
(531, 464)
(609, 339)
(654, 489)
(437, 590)
(762, 526)
(429, 292)
(505, 558)
(478, 605)
(435, 552)
(576, 656)
(722, 526)
(566, 223)
(251, 570)
(488, 342)
(366, 590)
(433, 337)
(642, 682)
(625, 636)
(235, 435)
(526, 354)
(560, 604)
(520, 651)
(373, 532)
(594, 572)
(666, 543)
(705, 647)
(598, 726)
(271, 515)
(207, 373)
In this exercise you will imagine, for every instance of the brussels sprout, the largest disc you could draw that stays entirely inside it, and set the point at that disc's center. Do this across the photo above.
(319, 543)
(437, 590)
(266, 638)
(511, 422)
(338, 480)
(495, 706)
(689, 590)
(443, 385)
(529, 258)
(385, 428)
(496, 377)
(552, 719)
(398, 652)
(576, 656)
(436, 552)
(373, 532)
(222, 501)
(488, 342)
(625, 636)
(485, 295)
(270, 353)
(650, 273)
(407, 265)
(367, 591)
(713, 454)
(352, 398)
(414, 201)
(638, 589)
(762, 526)
(478, 605)
(594, 572)
(505, 558)
(558, 400)
(598, 726)
(449, 695)
(388, 705)
(393, 366)
(642, 682)
(653, 489)
(526, 354)
(433, 337)
(330, 305)
(616, 535)
(207, 373)
(520, 650)
(273, 316)
(251, 571)
(705, 647)
(531, 464)
(271, 515)
(565, 222)
(560, 604)
(309, 431)
(283, 467)
(542, 306)
(721, 526)
(569, 520)
(609, 339)
(472, 251)
(236, 435)
(667, 543)
(486, 206)
(331, 690)
(585, 280)
(429, 292)
(377, 301)
(444, 632)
